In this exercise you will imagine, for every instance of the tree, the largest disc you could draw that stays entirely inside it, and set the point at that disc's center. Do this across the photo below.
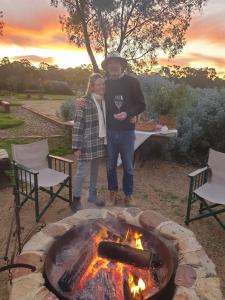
(196, 77)
(136, 28)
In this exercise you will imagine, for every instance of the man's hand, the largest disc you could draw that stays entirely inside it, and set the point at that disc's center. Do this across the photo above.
(120, 116)
(77, 153)
(80, 103)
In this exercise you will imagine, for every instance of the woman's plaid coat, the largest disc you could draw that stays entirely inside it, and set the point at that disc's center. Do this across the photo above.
(85, 134)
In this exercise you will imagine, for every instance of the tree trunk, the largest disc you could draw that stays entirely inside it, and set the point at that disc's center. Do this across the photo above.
(92, 58)
(86, 37)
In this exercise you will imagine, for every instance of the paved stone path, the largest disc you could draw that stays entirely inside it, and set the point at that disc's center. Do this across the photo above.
(34, 126)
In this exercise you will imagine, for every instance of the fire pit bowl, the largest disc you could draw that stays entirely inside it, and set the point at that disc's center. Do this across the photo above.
(70, 258)
(195, 276)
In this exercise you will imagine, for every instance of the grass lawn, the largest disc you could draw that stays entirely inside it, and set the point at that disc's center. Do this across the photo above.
(6, 144)
(9, 121)
(24, 97)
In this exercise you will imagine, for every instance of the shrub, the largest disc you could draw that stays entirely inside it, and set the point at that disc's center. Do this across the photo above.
(57, 87)
(67, 110)
(201, 127)
(8, 121)
(163, 96)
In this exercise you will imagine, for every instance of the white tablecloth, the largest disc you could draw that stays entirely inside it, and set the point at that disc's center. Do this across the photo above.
(142, 136)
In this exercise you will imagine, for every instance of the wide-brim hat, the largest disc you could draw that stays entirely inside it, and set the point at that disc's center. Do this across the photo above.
(114, 55)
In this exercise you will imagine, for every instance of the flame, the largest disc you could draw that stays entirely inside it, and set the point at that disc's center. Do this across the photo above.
(136, 289)
(118, 270)
(137, 237)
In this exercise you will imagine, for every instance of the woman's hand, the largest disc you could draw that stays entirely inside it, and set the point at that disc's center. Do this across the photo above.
(80, 103)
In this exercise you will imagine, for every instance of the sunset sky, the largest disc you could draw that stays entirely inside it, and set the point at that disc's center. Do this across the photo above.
(32, 31)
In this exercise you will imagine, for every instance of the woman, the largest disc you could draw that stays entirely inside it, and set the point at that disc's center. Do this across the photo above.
(89, 139)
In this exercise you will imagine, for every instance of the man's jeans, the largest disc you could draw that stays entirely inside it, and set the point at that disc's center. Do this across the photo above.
(87, 168)
(120, 142)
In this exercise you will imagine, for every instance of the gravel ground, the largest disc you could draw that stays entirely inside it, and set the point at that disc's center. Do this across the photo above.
(159, 185)
(34, 126)
(47, 107)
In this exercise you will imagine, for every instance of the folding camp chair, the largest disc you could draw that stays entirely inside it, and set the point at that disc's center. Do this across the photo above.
(207, 185)
(35, 170)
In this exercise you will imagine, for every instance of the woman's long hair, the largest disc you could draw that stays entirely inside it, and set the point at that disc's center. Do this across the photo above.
(91, 82)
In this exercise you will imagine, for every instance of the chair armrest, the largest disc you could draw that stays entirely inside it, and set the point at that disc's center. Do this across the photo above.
(197, 179)
(23, 168)
(60, 164)
(199, 171)
(61, 158)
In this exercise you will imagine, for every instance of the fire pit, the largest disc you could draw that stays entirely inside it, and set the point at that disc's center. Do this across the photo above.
(60, 247)
(109, 260)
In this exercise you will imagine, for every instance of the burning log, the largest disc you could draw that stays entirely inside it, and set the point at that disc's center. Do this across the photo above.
(70, 277)
(125, 254)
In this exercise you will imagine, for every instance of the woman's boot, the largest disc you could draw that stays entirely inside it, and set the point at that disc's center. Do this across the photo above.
(93, 198)
(76, 205)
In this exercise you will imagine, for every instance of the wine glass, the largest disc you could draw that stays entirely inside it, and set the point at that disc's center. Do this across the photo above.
(118, 100)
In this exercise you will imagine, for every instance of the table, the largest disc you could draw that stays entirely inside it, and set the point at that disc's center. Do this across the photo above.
(142, 136)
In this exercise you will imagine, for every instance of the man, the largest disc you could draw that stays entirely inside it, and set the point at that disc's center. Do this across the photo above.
(124, 100)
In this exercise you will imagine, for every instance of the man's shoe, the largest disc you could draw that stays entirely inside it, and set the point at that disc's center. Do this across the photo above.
(76, 205)
(129, 201)
(113, 197)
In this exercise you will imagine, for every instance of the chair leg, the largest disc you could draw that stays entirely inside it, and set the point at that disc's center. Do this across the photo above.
(70, 185)
(36, 199)
(51, 191)
(214, 214)
(201, 208)
(189, 200)
(188, 212)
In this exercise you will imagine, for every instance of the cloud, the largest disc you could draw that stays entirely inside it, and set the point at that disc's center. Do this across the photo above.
(32, 27)
(211, 60)
(207, 30)
(32, 23)
(35, 58)
(33, 14)
(210, 26)
(50, 37)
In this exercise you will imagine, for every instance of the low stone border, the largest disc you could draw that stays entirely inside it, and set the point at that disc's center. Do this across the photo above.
(195, 279)
(59, 123)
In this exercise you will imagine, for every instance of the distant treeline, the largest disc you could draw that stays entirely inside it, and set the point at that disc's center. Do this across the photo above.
(21, 76)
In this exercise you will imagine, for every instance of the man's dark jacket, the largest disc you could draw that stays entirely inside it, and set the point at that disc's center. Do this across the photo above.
(133, 101)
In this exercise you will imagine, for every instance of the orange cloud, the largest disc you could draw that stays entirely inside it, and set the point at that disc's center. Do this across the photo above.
(197, 60)
(22, 36)
(33, 27)
(33, 24)
(210, 28)
(35, 58)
